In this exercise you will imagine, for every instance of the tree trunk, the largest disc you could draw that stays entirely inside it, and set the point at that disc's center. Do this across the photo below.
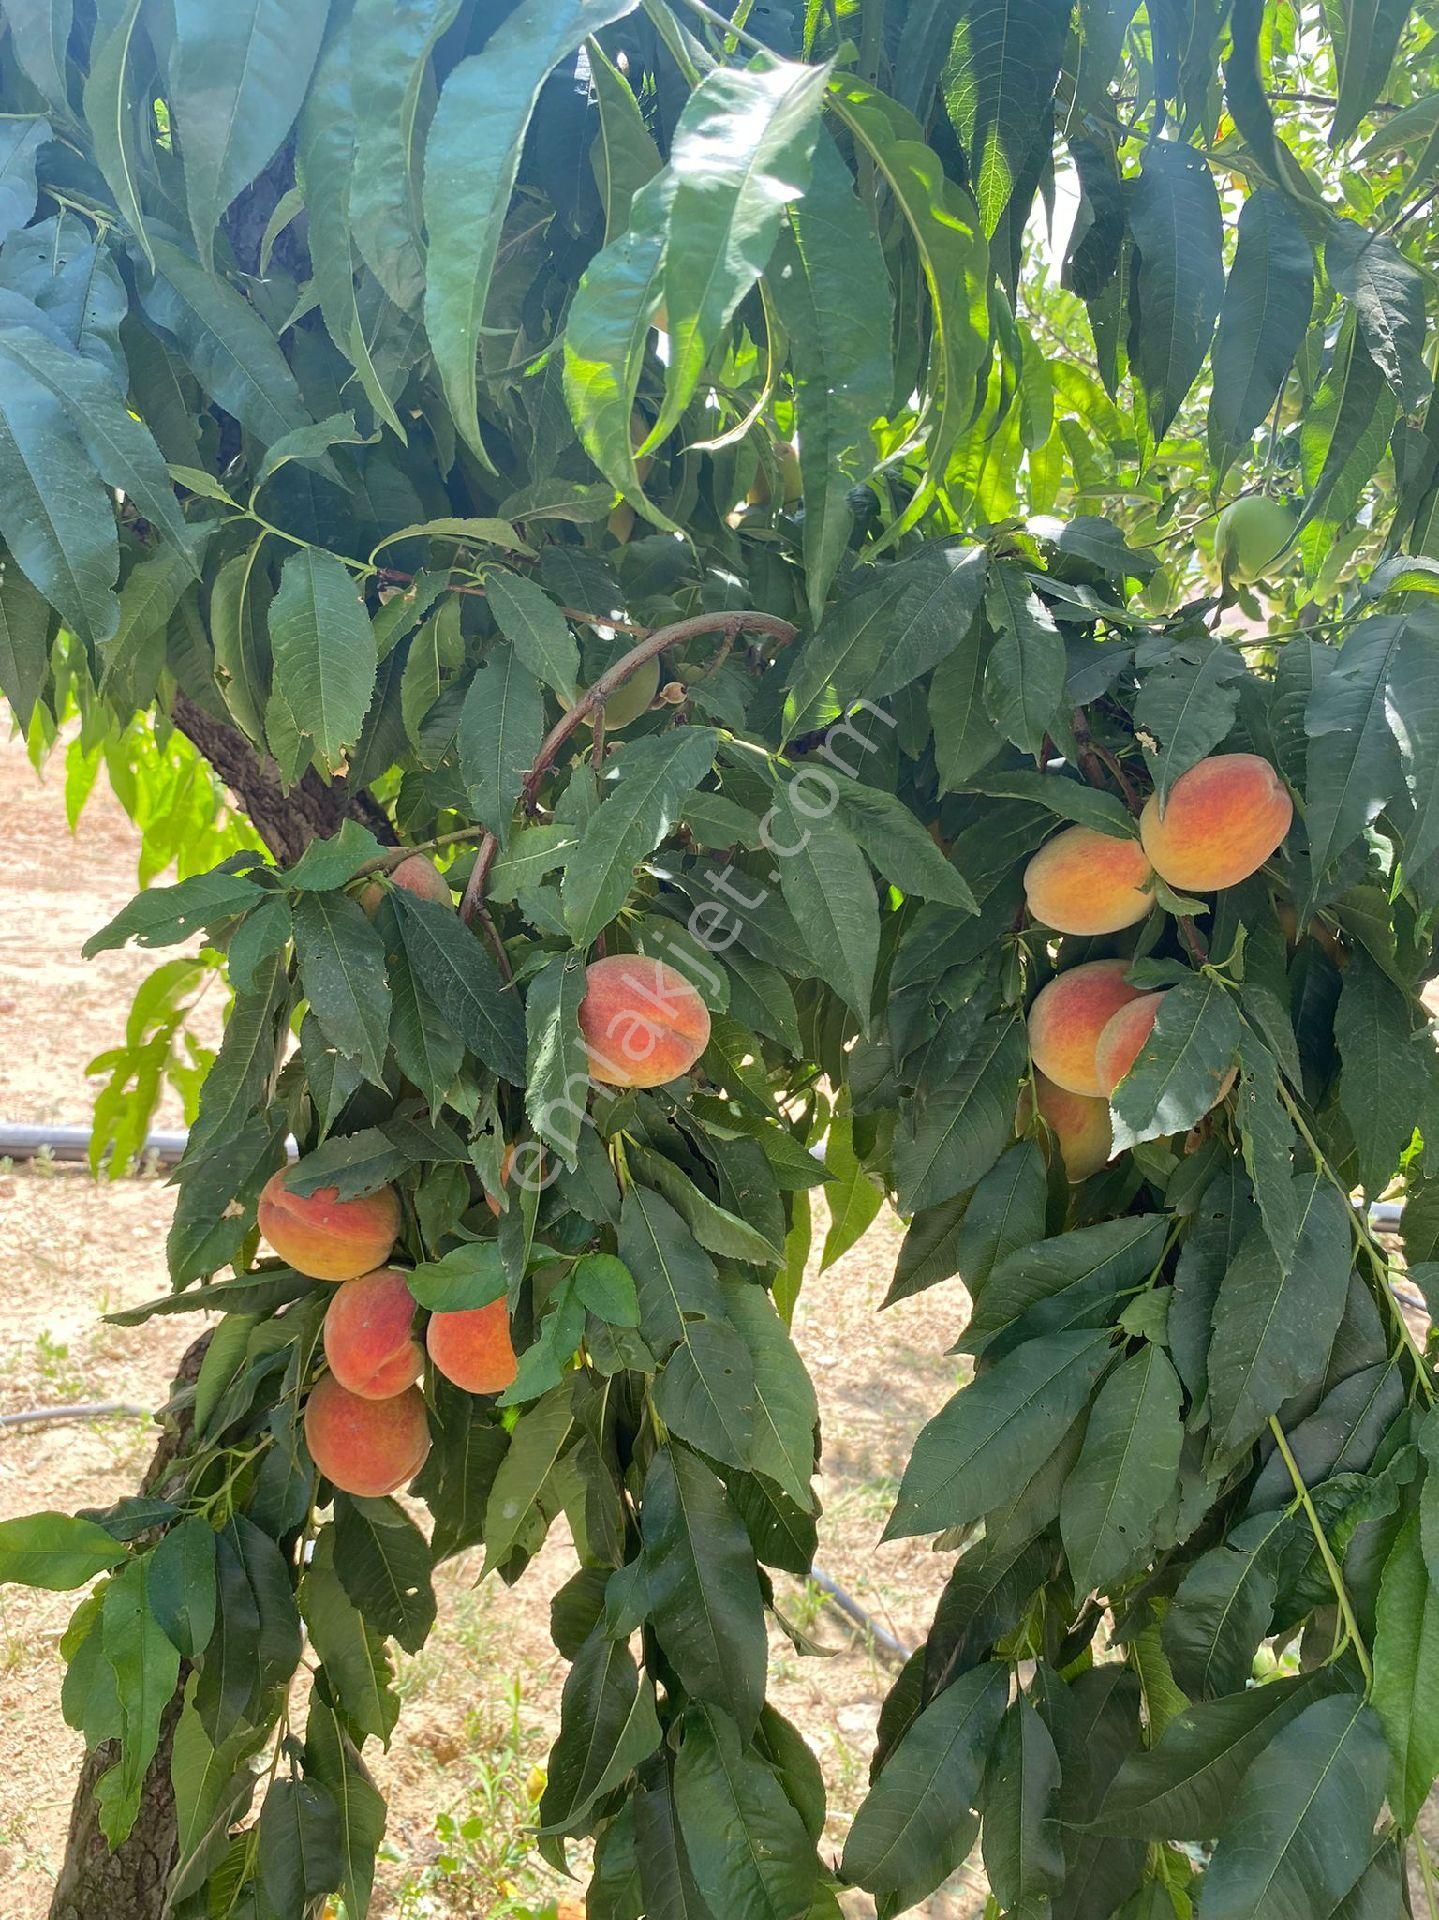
(129, 1884)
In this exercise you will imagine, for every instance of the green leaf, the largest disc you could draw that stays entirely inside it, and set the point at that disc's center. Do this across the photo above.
(786, 1412)
(1070, 800)
(951, 1135)
(536, 629)
(714, 1227)
(526, 1474)
(146, 1667)
(332, 1760)
(827, 886)
(391, 52)
(916, 1824)
(383, 1563)
(836, 303)
(501, 723)
(472, 156)
(674, 1276)
(1365, 35)
(163, 916)
(1182, 1066)
(705, 1392)
(1353, 762)
(1186, 705)
(456, 972)
(899, 849)
(1406, 1673)
(605, 1286)
(1224, 1608)
(1023, 1856)
(180, 1580)
(852, 1196)
(237, 77)
(1024, 681)
(624, 156)
(21, 138)
(468, 1445)
(225, 344)
(24, 641)
(1342, 438)
(55, 1551)
(1182, 1788)
(1272, 1331)
(1007, 1276)
(1302, 1832)
(357, 1666)
(997, 1431)
(299, 1844)
(998, 82)
(740, 153)
(704, 1594)
(1387, 294)
(1175, 219)
(744, 1841)
(557, 1088)
(655, 774)
(1267, 302)
(342, 974)
(1387, 1083)
(324, 649)
(1113, 1510)
(465, 1278)
(608, 1726)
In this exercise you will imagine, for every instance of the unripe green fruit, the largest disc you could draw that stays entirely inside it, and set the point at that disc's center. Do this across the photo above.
(630, 700)
(1251, 536)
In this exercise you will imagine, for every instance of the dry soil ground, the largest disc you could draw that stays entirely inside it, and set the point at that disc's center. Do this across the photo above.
(482, 1699)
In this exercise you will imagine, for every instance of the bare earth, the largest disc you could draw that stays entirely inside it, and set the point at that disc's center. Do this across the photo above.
(482, 1698)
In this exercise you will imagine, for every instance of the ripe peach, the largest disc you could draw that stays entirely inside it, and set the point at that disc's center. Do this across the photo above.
(368, 1339)
(473, 1348)
(366, 1447)
(1087, 882)
(1080, 1124)
(1221, 822)
(327, 1237)
(416, 875)
(1123, 1036)
(642, 1021)
(1069, 1015)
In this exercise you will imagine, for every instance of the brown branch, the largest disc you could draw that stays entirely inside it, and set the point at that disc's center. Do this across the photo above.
(593, 700)
(1094, 757)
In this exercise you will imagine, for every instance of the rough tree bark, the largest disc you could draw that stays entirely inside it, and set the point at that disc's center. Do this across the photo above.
(129, 1884)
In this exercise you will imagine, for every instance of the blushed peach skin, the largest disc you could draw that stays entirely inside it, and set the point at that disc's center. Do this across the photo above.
(1221, 822)
(1087, 882)
(473, 1348)
(1080, 1124)
(369, 1335)
(507, 1160)
(1122, 1038)
(642, 1021)
(328, 1238)
(1069, 1015)
(416, 875)
(366, 1447)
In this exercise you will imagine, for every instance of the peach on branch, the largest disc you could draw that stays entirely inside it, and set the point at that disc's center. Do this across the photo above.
(328, 1238)
(1079, 1122)
(643, 1023)
(366, 1447)
(1220, 823)
(1087, 882)
(416, 875)
(473, 1348)
(1123, 1038)
(369, 1335)
(1069, 1015)
(1251, 535)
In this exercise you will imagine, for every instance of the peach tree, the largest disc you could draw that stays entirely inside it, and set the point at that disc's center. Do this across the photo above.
(683, 674)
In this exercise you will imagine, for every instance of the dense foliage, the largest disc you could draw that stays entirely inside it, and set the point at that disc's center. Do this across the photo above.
(374, 380)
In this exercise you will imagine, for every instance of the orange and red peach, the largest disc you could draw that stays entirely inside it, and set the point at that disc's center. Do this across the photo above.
(328, 1238)
(642, 1021)
(369, 1335)
(366, 1447)
(1122, 1038)
(1069, 1015)
(1080, 1124)
(473, 1348)
(416, 875)
(1220, 823)
(1087, 882)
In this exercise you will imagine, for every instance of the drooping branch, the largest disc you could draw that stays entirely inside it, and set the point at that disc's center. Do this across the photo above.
(593, 700)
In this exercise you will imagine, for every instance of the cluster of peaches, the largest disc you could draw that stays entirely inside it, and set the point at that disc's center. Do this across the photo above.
(366, 1421)
(1222, 820)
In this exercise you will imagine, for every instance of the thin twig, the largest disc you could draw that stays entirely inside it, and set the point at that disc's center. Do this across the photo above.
(578, 614)
(1193, 940)
(1326, 1552)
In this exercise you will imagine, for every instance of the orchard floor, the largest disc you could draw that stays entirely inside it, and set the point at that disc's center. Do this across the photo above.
(482, 1699)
